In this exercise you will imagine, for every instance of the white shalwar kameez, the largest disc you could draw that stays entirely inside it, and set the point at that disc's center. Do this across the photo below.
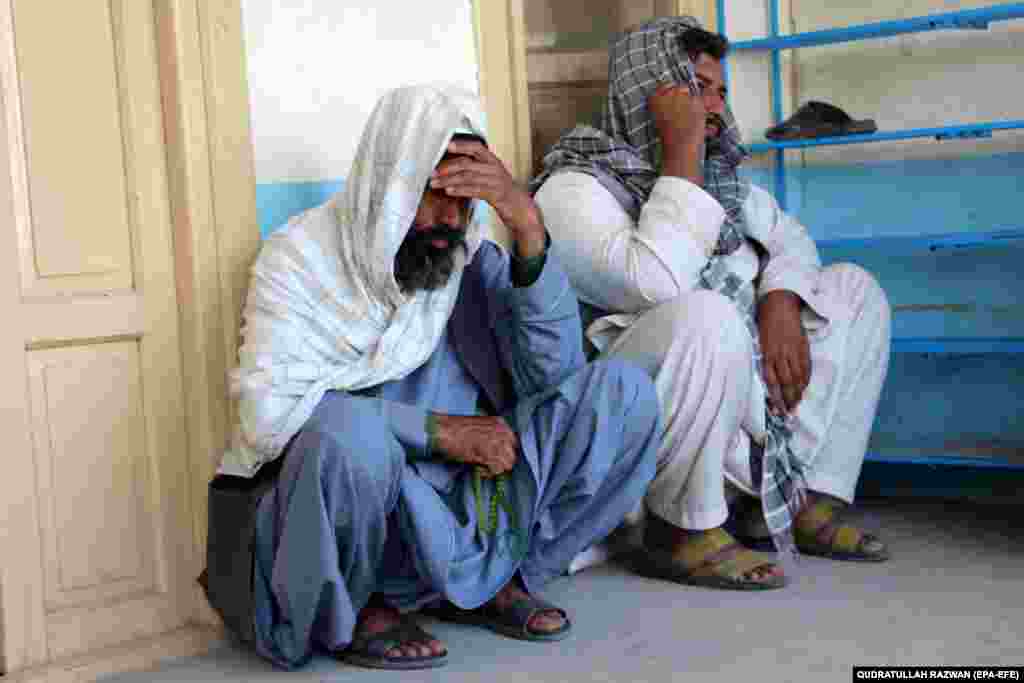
(695, 345)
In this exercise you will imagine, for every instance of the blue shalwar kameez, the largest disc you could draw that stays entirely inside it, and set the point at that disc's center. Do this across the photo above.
(361, 506)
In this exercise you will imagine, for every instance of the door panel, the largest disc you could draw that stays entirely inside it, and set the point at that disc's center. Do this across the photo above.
(88, 427)
(73, 133)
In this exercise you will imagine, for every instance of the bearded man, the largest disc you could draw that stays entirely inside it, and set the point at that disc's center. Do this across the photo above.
(769, 367)
(418, 426)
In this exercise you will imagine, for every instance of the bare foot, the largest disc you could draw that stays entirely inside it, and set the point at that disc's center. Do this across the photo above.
(547, 621)
(377, 619)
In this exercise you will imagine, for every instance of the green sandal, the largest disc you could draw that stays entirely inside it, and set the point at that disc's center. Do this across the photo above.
(370, 650)
(829, 537)
(712, 560)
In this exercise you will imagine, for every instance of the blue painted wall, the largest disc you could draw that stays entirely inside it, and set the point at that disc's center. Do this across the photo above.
(277, 202)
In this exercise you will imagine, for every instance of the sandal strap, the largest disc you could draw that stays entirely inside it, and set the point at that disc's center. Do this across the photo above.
(737, 566)
(707, 548)
(404, 632)
(538, 605)
(722, 556)
(718, 557)
(520, 612)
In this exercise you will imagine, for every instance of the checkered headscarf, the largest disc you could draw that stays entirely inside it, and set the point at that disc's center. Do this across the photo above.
(624, 155)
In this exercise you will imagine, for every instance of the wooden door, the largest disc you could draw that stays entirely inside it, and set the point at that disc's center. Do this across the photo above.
(96, 545)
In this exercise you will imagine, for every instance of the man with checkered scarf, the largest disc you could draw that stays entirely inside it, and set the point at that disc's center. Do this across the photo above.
(769, 367)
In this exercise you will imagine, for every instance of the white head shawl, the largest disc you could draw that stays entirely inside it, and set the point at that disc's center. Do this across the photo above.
(324, 310)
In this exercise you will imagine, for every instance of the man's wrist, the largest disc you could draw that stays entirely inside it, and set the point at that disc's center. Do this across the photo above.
(682, 160)
(780, 300)
(527, 232)
(784, 295)
(529, 246)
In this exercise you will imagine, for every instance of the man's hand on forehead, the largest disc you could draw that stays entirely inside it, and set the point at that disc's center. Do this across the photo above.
(473, 171)
(470, 170)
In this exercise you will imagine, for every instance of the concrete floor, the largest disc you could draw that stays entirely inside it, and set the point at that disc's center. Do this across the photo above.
(952, 595)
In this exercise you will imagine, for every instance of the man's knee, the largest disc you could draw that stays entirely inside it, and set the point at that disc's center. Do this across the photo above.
(862, 289)
(711, 319)
(633, 387)
(353, 444)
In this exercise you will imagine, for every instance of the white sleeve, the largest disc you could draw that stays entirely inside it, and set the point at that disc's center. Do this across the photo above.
(622, 266)
(793, 262)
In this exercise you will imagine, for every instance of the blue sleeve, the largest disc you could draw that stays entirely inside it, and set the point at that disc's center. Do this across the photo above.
(537, 327)
(407, 422)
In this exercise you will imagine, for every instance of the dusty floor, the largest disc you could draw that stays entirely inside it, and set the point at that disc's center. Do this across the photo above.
(953, 594)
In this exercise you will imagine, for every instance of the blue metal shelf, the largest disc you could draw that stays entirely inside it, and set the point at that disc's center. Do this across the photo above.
(959, 346)
(961, 132)
(918, 243)
(945, 459)
(965, 19)
(929, 242)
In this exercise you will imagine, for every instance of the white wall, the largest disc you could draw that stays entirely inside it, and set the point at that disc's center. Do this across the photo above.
(317, 67)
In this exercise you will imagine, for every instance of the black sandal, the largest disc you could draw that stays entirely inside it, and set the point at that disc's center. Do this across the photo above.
(370, 650)
(819, 120)
(512, 622)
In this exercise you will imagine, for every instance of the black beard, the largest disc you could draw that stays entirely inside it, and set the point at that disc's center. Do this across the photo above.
(421, 265)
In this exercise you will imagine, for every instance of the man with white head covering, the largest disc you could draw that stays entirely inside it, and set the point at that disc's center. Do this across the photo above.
(768, 366)
(418, 426)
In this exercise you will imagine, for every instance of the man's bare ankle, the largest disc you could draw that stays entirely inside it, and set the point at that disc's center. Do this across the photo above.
(377, 618)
